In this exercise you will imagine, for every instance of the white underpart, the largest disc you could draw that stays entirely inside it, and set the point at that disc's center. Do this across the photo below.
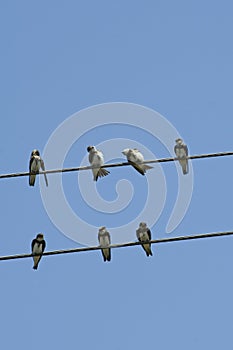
(103, 240)
(181, 153)
(143, 235)
(98, 159)
(37, 249)
(35, 166)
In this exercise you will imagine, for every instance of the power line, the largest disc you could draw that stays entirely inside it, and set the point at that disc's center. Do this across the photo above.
(121, 245)
(114, 165)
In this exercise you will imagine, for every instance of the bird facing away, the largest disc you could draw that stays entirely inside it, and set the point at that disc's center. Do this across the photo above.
(181, 151)
(144, 235)
(36, 162)
(38, 247)
(135, 158)
(105, 241)
(96, 160)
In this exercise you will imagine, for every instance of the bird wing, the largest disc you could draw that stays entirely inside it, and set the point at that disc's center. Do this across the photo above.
(139, 157)
(149, 233)
(108, 235)
(175, 149)
(138, 231)
(43, 245)
(33, 243)
(99, 237)
(137, 167)
(90, 157)
(30, 164)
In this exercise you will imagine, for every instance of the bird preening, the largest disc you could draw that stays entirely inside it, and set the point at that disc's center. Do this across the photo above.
(36, 163)
(96, 160)
(38, 247)
(136, 159)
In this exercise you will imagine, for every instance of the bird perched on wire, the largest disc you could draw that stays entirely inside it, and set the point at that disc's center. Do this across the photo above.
(105, 241)
(38, 247)
(96, 160)
(36, 162)
(144, 236)
(136, 159)
(181, 151)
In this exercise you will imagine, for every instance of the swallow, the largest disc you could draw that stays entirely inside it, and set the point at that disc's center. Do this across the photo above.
(96, 160)
(136, 159)
(38, 247)
(105, 241)
(181, 151)
(144, 235)
(36, 162)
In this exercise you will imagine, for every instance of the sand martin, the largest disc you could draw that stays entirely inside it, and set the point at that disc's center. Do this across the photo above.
(38, 247)
(144, 235)
(96, 160)
(181, 151)
(135, 158)
(36, 162)
(105, 241)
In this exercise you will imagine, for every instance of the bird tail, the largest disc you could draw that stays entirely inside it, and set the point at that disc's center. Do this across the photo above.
(109, 255)
(100, 173)
(46, 180)
(138, 167)
(147, 167)
(185, 166)
(147, 248)
(36, 260)
(32, 179)
(106, 252)
(141, 168)
(43, 168)
(149, 252)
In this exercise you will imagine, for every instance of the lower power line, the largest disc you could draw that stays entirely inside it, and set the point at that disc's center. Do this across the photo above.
(120, 245)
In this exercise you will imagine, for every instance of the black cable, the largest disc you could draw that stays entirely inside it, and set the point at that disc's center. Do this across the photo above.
(121, 245)
(162, 160)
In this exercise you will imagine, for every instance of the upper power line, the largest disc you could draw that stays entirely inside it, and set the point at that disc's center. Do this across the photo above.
(114, 165)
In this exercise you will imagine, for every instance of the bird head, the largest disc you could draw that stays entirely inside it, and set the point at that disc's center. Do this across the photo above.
(142, 224)
(179, 141)
(90, 148)
(125, 151)
(40, 236)
(35, 152)
(102, 228)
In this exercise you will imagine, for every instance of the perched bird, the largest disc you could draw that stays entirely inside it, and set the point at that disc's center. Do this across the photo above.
(96, 159)
(144, 235)
(135, 158)
(105, 241)
(38, 247)
(36, 162)
(181, 151)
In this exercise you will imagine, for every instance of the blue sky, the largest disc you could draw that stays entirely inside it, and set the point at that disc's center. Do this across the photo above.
(58, 58)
